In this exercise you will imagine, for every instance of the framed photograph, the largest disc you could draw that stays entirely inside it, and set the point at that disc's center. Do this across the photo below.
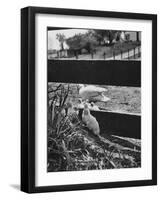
(88, 99)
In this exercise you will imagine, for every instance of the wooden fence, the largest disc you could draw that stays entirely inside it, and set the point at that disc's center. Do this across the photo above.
(112, 72)
(128, 54)
(134, 53)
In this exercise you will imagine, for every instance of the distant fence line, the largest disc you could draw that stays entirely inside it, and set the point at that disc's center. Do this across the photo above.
(117, 54)
(129, 54)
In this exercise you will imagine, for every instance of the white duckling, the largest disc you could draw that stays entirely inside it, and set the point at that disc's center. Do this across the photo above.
(90, 121)
(80, 104)
(71, 109)
(92, 93)
(91, 105)
(94, 107)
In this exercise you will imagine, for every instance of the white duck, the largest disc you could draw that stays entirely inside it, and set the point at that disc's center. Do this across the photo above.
(92, 93)
(82, 103)
(90, 121)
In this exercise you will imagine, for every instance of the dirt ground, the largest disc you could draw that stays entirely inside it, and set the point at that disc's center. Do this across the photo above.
(123, 99)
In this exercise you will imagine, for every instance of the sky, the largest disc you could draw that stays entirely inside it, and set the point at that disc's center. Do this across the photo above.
(53, 43)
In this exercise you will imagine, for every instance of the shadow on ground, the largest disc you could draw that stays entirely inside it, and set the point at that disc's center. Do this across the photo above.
(15, 186)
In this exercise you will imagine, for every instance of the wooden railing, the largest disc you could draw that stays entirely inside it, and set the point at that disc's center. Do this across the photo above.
(112, 72)
(134, 53)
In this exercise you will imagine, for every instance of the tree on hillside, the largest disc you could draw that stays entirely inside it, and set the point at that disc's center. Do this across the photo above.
(90, 41)
(82, 41)
(61, 38)
(112, 34)
(99, 35)
(103, 35)
(75, 42)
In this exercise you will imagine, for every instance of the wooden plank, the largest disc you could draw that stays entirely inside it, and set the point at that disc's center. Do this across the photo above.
(108, 72)
(120, 124)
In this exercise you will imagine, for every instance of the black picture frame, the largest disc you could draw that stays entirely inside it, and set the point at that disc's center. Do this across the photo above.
(28, 98)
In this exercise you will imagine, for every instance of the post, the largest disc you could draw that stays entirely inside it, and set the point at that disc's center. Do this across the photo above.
(137, 36)
(128, 54)
(92, 54)
(114, 55)
(76, 55)
(121, 54)
(134, 53)
(104, 55)
(138, 51)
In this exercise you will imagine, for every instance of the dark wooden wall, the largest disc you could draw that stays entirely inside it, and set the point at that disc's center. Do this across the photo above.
(121, 124)
(112, 72)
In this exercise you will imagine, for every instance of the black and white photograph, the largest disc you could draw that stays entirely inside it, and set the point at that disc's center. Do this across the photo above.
(89, 99)
(93, 112)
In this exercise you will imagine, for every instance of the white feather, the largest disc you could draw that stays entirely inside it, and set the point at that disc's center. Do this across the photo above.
(92, 92)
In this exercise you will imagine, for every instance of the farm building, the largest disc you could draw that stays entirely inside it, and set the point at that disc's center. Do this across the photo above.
(133, 35)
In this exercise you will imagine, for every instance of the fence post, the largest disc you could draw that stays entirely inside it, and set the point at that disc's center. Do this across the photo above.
(128, 54)
(121, 54)
(114, 55)
(104, 55)
(138, 51)
(76, 55)
(92, 54)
